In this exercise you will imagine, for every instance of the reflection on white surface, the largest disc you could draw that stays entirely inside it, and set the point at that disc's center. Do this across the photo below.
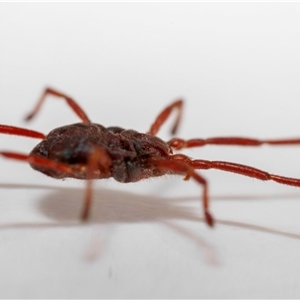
(131, 235)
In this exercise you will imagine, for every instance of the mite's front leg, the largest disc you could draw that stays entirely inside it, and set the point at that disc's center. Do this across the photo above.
(177, 143)
(72, 103)
(99, 162)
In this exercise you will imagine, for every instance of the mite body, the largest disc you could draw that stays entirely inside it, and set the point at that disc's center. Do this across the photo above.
(124, 153)
(90, 151)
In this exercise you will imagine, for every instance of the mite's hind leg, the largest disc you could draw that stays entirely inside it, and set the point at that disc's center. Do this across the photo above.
(72, 103)
(180, 167)
(177, 143)
(241, 169)
(163, 116)
(98, 166)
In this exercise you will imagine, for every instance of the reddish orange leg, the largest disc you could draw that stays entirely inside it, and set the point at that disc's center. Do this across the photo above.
(38, 161)
(21, 131)
(181, 164)
(181, 167)
(74, 106)
(99, 161)
(234, 168)
(50, 164)
(242, 170)
(178, 144)
(163, 116)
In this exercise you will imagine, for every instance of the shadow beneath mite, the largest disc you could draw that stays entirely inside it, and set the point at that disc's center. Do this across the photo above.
(109, 206)
(64, 205)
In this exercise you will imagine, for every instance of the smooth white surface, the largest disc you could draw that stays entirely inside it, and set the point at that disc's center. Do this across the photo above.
(237, 65)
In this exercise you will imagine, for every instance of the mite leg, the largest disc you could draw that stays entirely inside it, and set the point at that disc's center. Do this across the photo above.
(235, 168)
(162, 117)
(180, 167)
(99, 162)
(38, 161)
(21, 131)
(98, 157)
(177, 143)
(188, 165)
(74, 106)
(47, 163)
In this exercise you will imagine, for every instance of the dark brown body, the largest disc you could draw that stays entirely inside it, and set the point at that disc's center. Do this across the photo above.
(128, 150)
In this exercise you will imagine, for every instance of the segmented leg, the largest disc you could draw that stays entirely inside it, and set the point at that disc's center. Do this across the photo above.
(163, 116)
(74, 106)
(5, 129)
(181, 164)
(181, 167)
(235, 168)
(177, 143)
(39, 161)
(98, 157)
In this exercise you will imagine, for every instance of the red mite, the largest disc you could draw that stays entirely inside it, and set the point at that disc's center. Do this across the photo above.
(90, 151)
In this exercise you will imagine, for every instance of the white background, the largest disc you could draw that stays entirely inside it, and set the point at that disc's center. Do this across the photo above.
(237, 65)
